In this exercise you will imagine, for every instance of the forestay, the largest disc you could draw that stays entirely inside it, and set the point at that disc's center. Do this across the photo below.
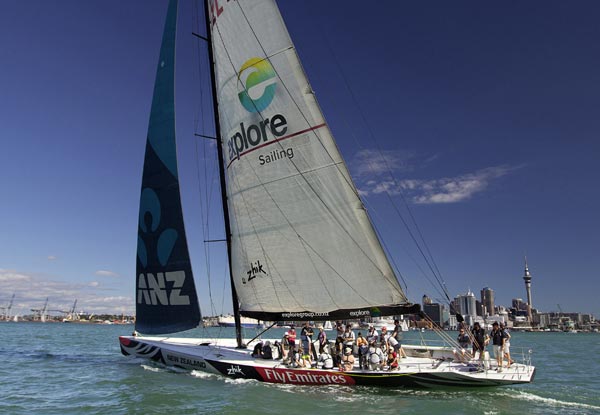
(302, 243)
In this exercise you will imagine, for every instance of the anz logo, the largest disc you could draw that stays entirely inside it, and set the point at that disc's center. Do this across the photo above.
(155, 247)
(152, 289)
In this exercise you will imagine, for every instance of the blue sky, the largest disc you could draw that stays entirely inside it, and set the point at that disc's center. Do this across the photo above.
(488, 115)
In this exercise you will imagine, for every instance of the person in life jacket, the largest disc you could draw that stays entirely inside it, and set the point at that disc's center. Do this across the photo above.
(325, 359)
(375, 357)
(363, 350)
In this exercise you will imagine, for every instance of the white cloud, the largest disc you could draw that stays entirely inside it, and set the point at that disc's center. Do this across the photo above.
(104, 273)
(52, 258)
(375, 163)
(456, 189)
(31, 291)
(444, 190)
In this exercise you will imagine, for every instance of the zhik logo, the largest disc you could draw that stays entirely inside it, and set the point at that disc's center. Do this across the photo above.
(258, 89)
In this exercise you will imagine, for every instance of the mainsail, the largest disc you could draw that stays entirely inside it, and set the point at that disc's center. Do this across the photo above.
(166, 300)
(302, 244)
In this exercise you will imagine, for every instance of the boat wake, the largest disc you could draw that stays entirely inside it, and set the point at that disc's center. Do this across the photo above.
(203, 375)
(526, 396)
(153, 368)
(211, 376)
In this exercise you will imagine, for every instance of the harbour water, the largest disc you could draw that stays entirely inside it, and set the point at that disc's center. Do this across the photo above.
(78, 369)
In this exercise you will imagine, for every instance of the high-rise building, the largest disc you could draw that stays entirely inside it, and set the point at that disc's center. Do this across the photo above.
(426, 299)
(527, 279)
(435, 312)
(467, 304)
(487, 299)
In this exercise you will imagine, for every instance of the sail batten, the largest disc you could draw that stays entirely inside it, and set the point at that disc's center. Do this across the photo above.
(166, 299)
(301, 240)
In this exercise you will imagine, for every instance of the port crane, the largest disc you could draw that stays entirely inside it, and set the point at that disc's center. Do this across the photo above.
(41, 312)
(6, 314)
(70, 315)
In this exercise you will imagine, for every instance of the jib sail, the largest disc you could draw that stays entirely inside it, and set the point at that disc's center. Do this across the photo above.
(166, 299)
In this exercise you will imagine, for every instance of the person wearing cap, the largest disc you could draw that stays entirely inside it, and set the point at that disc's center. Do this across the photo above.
(375, 356)
(372, 335)
(348, 337)
(479, 340)
(498, 340)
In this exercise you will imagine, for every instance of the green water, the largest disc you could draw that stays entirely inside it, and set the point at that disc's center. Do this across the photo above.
(56, 368)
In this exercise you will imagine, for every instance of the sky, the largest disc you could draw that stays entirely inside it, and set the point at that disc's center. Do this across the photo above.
(488, 115)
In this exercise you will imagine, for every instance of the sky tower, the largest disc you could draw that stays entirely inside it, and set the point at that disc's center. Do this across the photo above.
(527, 279)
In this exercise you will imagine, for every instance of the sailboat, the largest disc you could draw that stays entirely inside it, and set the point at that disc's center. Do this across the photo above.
(245, 322)
(300, 243)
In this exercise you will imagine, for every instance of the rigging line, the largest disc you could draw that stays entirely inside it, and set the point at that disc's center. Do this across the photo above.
(345, 177)
(204, 227)
(401, 194)
(196, 23)
(205, 136)
(203, 113)
(441, 333)
(442, 284)
(207, 189)
(417, 264)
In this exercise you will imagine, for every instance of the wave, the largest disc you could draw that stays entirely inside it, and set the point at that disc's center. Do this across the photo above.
(204, 375)
(153, 368)
(527, 396)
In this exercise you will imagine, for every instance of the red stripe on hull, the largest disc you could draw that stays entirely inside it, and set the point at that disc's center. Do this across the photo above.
(304, 377)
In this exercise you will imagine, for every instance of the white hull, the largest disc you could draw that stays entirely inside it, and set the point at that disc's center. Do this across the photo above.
(388, 324)
(425, 366)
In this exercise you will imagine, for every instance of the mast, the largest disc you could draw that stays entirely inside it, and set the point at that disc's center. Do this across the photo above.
(234, 297)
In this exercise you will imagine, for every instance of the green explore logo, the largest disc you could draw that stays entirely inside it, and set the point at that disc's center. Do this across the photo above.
(259, 88)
